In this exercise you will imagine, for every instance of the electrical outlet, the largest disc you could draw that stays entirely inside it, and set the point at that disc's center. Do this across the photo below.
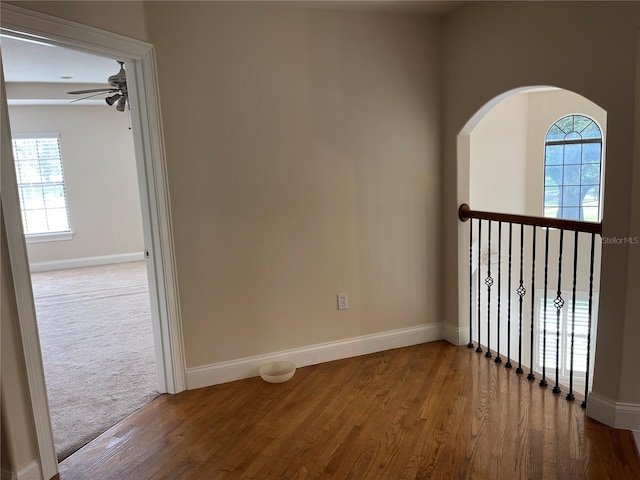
(343, 303)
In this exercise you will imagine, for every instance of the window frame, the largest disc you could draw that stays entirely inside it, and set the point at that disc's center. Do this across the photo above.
(52, 235)
(582, 141)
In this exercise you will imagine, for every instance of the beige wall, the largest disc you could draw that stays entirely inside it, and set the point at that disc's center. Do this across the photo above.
(303, 158)
(630, 390)
(100, 177)
(491, 48)
(498, 162)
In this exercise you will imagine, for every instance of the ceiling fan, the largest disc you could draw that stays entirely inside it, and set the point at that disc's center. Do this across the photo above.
(118, 86)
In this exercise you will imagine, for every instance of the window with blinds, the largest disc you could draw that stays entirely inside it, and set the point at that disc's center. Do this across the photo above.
(43, 198)
(579, 325)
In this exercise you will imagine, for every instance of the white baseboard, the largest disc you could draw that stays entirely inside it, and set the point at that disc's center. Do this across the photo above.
(614, 414)
(636, 436)
(85, 262)
(214, 374)
(31, 471)
(456, 335)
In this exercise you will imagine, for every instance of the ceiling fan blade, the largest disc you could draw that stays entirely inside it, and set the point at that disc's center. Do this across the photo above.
(81, 92)
(88, 96)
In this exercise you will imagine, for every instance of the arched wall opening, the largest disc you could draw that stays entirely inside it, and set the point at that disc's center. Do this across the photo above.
(501, 168)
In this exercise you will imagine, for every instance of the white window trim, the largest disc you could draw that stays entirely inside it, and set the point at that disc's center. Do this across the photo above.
(35, 135)
(48, 237)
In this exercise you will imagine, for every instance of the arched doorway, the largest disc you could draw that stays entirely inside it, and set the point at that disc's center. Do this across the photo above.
(502, 168)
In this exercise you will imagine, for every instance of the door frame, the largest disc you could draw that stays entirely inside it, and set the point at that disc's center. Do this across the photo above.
(146, 121)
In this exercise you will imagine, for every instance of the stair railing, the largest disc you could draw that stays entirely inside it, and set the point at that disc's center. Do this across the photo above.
(546, 329)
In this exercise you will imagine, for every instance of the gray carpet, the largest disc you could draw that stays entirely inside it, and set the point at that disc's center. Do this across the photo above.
(97, 348)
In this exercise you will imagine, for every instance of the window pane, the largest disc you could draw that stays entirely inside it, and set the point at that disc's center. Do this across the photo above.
(553, 155)
(591, 214)
(51, 170)
(591, 174)
(553, 176)
(32, 198)
(590, 196)
(570, 196)
(591, 152)
(572, 175)
(48, 148)
(58, 220)
(36, 221)
(572, 154)
(573, 136)
(592, 131)
(28, 171)
(571, 213)
(555, 133)
(580, 123)
(566, 124)
(551, 196)
(54, 196)
(25, 149)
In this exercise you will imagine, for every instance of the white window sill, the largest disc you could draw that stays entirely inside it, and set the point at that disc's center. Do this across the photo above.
(48, 237)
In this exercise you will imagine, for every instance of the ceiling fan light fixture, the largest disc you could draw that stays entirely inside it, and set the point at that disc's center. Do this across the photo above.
(121, 104)
(112, 99)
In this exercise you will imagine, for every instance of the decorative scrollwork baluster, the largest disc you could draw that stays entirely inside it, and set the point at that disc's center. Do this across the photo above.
(558, 303)
(488, 282)
(521, 291)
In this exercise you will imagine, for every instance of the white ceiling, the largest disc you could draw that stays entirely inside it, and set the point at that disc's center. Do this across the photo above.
(41, 74)
(26, 61)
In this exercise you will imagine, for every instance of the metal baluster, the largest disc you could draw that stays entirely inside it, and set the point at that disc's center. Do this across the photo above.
(531, 376)
(479, 349)
(586, 379)
(573, 313)
(558, 303)
(498, 359)
(488, 282)
(470, 344)
(508, 363)
(521, 291)
(543, 382)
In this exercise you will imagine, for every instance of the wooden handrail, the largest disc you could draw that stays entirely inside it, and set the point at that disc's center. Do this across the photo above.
(465, 213)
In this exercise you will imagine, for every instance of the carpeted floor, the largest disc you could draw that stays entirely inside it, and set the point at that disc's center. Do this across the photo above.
(97, 348)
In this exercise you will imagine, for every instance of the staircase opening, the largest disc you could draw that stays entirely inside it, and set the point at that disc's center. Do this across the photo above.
(505, 167)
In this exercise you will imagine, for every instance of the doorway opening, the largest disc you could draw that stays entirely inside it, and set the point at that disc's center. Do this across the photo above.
(510, 161)
(80, 204)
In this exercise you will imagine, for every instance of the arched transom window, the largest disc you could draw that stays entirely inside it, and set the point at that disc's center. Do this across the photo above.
(572, 169)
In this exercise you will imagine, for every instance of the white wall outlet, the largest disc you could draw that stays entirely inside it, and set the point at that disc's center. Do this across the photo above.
(343, 303)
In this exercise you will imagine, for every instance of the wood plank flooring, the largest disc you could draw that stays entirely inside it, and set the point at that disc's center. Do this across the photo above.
(428, 411)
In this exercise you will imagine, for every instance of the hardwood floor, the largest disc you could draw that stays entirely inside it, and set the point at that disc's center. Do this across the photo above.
(428, 411)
